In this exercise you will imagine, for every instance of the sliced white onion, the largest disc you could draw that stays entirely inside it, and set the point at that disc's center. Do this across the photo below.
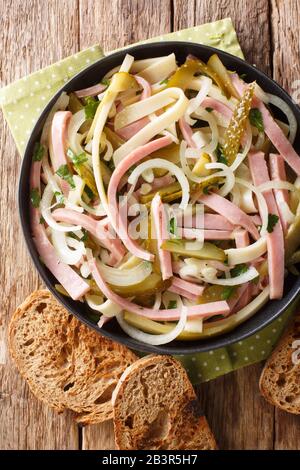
(45, 207)
(154, 339)
(259, 92)
(201, 140)
(229, 175)
(74, 196)
(172, 168)
(196, 102)
(50, 177)
(76, 122)
(64, 253)
(148, 175)
(276, 185)
(247, 276)
(85, 270)
(107, 308)
(109, 151)
(284, 107)
(97, 210)
(247, 253)
(208, 117)
(126, 277)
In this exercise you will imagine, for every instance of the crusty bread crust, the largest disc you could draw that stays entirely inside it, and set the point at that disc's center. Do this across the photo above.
(66, 364)
(280, 379)
(155, 407)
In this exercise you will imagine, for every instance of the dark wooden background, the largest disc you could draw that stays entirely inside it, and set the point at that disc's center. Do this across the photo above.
(35, 33)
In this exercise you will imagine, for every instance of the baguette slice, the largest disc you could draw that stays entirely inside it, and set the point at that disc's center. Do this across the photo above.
(66, 364)
(155, 407)
(280, 379)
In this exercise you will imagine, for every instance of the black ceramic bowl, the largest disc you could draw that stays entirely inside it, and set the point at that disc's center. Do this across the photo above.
(90, 76)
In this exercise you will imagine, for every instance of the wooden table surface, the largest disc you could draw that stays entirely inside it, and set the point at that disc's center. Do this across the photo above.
(36, 33)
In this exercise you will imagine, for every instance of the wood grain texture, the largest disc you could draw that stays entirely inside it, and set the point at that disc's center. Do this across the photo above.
(239, 417)
(250, 20)
(285, 16)
(117, 23)
(26, 423)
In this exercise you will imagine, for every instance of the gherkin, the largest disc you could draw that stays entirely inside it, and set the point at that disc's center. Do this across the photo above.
(237, 124)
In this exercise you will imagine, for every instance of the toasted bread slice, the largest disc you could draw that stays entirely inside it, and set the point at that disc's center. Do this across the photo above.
(155, 407)
(280, 379)
(65, 364)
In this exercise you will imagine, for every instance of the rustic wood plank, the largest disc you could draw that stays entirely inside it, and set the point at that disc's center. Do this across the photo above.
(114, 24)
(285, 16)
(238, 415)
(27, 45)
(250, 21)
(117, 23)
(286, 71)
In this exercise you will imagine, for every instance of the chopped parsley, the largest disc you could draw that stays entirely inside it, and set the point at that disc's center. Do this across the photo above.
(38, 152)
(209, 110)
(35, 197)
(172, 226)
(105, 81)
(238, 270)
(42, 220)
(272, 221)
(219, 152)
(256, 119)
(228, 291)
(77, 159)
(90, 107)
(85, 235)
(65, 174)
(164, 82)
(59, 197)
(172, 304)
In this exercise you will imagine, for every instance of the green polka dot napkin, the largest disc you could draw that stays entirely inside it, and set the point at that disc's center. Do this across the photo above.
(22, 103)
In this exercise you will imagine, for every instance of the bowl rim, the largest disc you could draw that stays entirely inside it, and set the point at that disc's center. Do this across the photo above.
(175, 347)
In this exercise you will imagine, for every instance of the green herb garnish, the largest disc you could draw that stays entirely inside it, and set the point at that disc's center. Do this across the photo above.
(219, 152)
(272, 221)
(85, 236)
(90, 107)
(172, 304)
(256, 119)
(59, 197)
(173, 226)
(35, 197)
(77, 159)
(164, 82)
(105, 81)
(209, 110)
(65, 174)
(228, 291)
(42, 220)
(38, 152)
(238, 269)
